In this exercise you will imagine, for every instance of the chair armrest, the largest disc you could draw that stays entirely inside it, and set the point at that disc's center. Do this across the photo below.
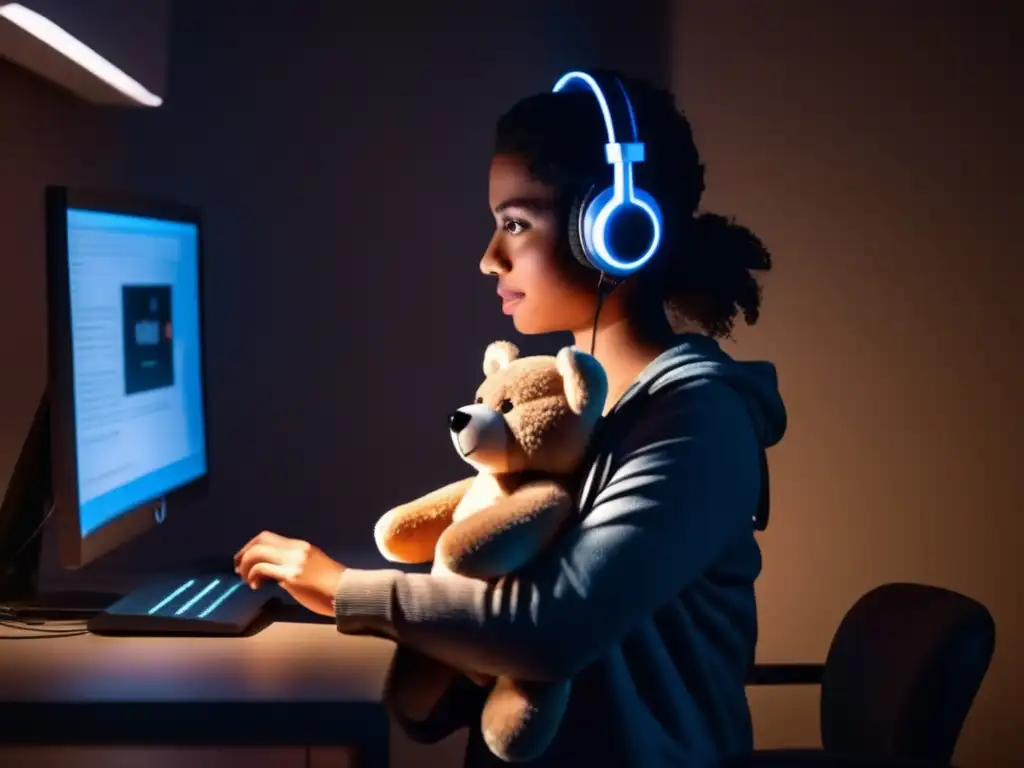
(816, 758)
(785, 674)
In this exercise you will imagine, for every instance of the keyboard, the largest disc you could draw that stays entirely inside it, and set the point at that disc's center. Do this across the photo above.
(207, 604)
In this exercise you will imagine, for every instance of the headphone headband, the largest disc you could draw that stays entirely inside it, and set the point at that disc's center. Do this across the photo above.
(582, 81)
(601, 216)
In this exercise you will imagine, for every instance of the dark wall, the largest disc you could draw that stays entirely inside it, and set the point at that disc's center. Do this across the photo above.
(47, 136)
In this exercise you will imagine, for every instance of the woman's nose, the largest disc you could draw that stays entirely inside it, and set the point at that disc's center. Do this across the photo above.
(494, 261)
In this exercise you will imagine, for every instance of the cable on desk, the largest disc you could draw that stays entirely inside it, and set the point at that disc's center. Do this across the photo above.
(35, 631)
(41, 624)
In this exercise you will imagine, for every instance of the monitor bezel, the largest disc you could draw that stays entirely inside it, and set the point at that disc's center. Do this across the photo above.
(75, 549)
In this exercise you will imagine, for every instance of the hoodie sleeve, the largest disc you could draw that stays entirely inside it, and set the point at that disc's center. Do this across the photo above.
(684, 484)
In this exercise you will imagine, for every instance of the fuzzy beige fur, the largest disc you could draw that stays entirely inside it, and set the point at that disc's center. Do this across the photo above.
(526, 436)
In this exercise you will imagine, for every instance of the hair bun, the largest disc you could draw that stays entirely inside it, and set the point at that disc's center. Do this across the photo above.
(711, 278)
(727, 244)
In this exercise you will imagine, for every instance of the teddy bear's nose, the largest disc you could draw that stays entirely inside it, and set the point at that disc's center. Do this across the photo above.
(458, 421)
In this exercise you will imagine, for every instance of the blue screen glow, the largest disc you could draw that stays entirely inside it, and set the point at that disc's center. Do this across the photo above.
(139, 413)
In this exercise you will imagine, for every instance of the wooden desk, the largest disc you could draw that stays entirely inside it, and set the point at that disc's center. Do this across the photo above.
(296, 685)
(294, 695)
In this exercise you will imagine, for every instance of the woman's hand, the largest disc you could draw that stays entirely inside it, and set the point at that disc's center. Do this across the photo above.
(304, 571)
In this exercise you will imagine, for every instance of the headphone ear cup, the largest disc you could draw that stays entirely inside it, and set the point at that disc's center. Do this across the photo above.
(577, 242)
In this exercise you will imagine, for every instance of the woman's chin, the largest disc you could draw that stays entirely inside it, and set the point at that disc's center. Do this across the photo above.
(530, 324)
(525, 325)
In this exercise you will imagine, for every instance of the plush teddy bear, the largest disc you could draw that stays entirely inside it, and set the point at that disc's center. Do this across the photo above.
(526, 436)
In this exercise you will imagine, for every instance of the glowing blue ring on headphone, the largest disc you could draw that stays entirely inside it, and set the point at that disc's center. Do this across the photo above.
(600, 211)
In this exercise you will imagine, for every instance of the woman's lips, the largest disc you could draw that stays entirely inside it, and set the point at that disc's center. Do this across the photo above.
(509, 303)
(509, 299)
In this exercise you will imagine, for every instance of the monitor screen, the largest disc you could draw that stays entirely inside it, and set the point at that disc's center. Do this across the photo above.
(136, 360)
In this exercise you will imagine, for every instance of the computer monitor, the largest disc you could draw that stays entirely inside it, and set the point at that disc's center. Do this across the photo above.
(127, 399)
(122, 422)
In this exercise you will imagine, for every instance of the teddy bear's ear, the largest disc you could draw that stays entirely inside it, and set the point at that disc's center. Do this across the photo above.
(498, 356)
(586, 385)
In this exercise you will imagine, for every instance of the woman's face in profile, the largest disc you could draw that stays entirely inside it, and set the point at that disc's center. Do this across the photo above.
(542, 287)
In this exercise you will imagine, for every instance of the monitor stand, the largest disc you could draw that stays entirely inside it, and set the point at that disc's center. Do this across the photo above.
(25, 510)
(201, 600)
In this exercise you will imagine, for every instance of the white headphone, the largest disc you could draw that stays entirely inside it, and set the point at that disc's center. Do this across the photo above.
(617, 230)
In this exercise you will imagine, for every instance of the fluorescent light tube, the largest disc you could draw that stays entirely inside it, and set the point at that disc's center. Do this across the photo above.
(74, 49)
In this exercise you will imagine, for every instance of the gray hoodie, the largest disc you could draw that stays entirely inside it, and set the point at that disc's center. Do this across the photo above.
(647, 603)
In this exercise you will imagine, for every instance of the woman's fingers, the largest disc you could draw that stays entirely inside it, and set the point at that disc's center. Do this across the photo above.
(259, 553)
(262, 571)
(266, 537)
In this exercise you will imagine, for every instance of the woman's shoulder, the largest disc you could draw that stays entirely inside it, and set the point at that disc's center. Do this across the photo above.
(689, 409)
(681, 437)
(699, 385)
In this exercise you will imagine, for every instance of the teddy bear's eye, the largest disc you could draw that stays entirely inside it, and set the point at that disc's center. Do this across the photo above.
(506, 406)
(479, 401)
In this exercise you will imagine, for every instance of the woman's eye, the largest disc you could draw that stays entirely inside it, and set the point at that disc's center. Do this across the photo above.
(514, 226)
(506, 406)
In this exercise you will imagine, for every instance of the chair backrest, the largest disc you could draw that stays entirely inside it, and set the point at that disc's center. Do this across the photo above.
(902, 672)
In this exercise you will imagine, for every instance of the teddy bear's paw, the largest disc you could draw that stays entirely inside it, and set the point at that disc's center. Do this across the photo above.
(384, 536)
(520, 720)
(402, 536)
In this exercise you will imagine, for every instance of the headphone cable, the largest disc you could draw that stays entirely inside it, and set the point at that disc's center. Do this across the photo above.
(605, 286)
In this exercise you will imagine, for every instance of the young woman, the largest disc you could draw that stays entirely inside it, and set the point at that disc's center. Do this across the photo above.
(647, 603)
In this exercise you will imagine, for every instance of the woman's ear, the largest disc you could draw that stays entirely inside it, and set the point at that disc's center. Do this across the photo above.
(586, 385)
(499, 355)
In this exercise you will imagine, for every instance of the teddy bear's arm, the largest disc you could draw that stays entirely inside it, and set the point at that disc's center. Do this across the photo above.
(505, 536)
(409, 533)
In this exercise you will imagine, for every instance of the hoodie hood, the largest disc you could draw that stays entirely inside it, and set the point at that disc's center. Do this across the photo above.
(699, 358)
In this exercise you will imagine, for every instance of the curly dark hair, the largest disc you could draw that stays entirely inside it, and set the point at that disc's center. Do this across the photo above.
(708, 275)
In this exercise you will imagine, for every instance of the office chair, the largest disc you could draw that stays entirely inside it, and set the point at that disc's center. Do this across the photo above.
(900, 677)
